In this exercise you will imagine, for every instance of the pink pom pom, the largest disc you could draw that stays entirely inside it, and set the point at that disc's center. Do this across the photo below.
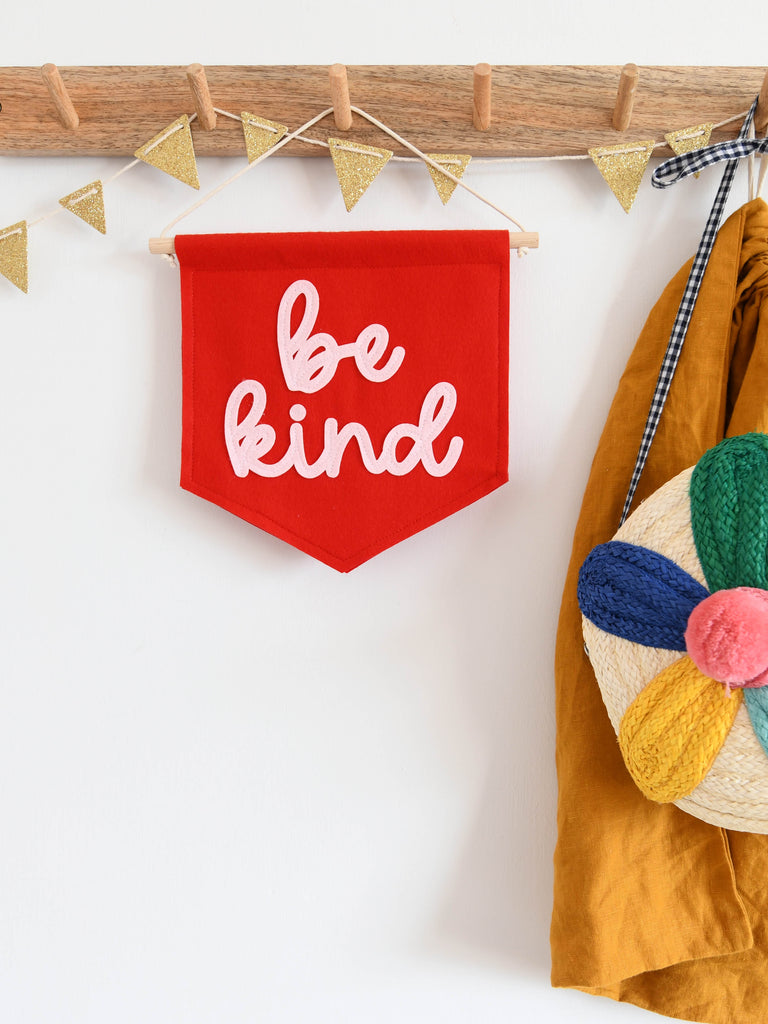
(727, 636)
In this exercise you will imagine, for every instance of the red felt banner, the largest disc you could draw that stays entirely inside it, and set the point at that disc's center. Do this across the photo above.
(343, 391)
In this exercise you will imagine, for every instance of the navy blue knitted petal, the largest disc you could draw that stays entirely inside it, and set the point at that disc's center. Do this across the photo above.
(637, 594)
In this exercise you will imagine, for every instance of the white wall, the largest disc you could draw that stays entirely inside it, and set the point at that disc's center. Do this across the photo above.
(237, 786)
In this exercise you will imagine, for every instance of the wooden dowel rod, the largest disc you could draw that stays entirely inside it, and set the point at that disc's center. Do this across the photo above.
(481, 102)
(517, 240)
(761, 114)
(198, 83)
(162, 246)
(625, 98)
(342, 111)
(523, 239)
(58, 91)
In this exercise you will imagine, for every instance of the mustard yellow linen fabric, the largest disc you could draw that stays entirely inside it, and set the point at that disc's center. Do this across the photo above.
(651, 905)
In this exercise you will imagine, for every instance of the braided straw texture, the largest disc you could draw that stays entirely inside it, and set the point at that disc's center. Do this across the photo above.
(671, 735)
(734, 794)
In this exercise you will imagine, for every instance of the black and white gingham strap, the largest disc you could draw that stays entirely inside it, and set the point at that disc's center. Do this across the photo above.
(664, 175)
(678, 167)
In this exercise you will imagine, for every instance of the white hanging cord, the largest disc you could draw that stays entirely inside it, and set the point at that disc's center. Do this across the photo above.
(244, 170)
(436, 165)
(422, 157)
(292, 135)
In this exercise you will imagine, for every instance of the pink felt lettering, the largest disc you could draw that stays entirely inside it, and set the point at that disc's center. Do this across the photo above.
(249, 440)
(309, 361)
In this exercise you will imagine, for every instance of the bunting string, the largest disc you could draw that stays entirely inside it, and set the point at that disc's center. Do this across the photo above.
(343, 145)
(172, 151)
(516, 159)
(108, 181)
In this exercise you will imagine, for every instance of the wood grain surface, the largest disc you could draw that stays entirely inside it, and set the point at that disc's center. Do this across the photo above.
(537, 111)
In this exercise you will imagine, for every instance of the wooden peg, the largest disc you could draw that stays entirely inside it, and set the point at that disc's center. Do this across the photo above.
(761, 114)
(342, 112)
(625, 98)
(481, 103)
(198, 83)
(64, 106)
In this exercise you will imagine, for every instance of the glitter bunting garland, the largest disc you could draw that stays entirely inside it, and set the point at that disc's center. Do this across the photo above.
(456, 163)
(172, 151)
(88, 204)
(260, 135)
(356, 165)
(622, 167)
(13, 254)
(689, 139)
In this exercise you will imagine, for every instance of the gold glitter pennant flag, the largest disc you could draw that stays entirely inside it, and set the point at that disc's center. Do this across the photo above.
(260, 134)
(13, 254)
(88, 204)
(688, 139)
(622, 167)
(356, 167)
(455, 164)
(171, 150)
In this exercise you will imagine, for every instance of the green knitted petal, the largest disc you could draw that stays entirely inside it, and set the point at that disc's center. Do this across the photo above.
(757, 706)
(729, 512)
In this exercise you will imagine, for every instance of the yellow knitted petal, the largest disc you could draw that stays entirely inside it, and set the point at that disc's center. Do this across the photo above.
(673, 730)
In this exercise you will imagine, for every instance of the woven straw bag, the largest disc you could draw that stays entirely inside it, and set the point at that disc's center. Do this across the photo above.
(675, 619)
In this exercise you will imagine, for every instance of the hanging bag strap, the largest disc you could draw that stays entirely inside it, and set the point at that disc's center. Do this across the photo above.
(665, 175)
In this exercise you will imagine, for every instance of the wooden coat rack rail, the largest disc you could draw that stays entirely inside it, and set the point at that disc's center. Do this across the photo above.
(506, 111)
